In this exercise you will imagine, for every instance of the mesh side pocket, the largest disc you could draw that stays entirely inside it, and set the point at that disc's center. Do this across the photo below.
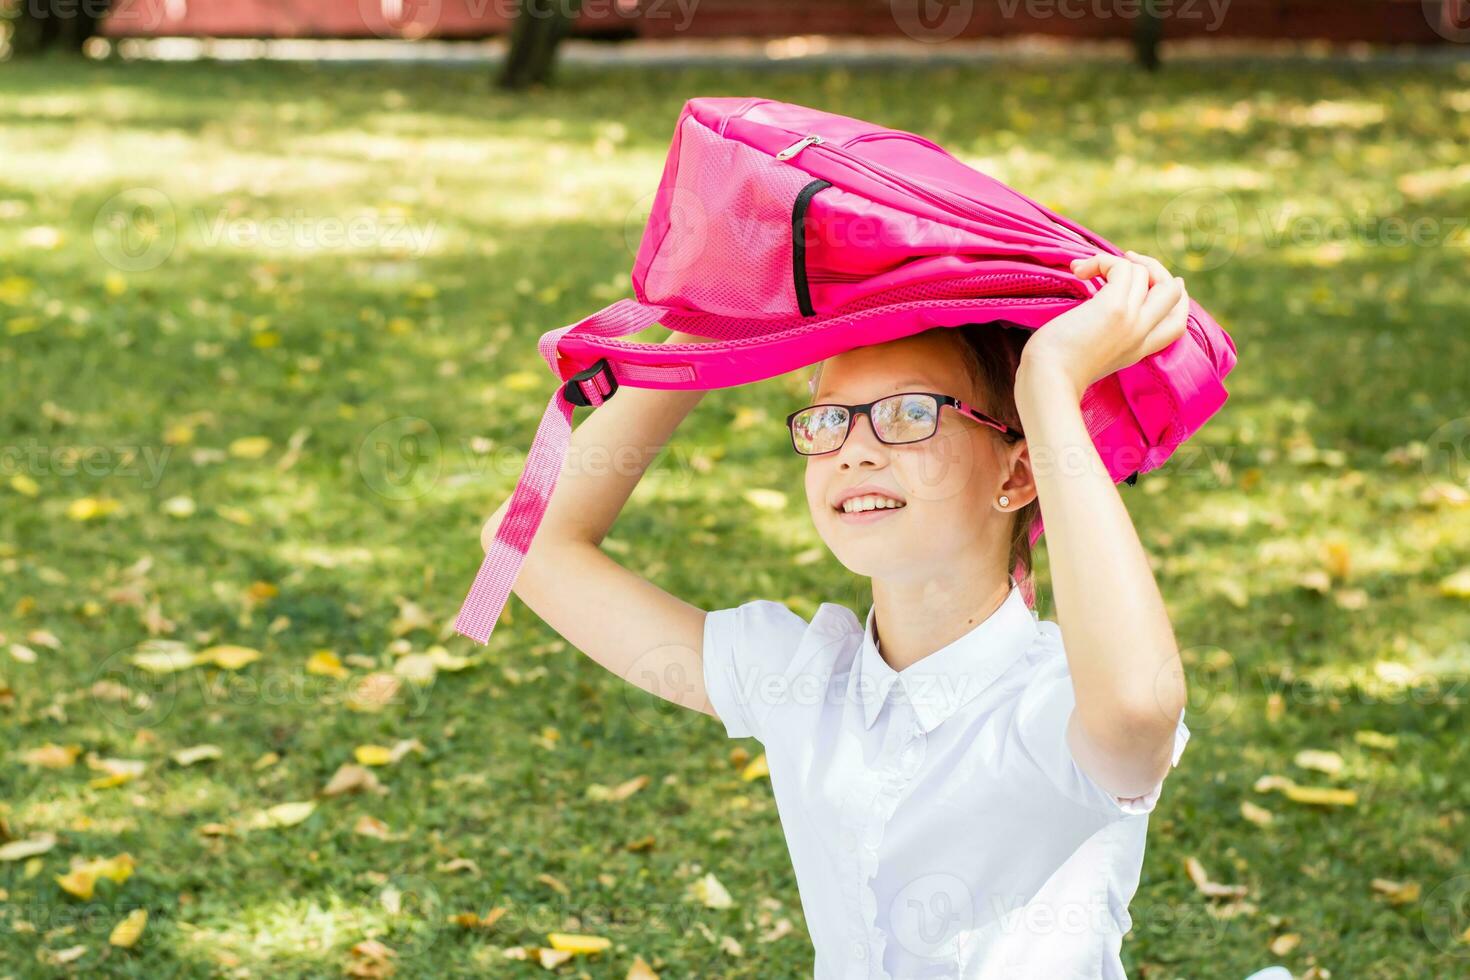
(728, 250)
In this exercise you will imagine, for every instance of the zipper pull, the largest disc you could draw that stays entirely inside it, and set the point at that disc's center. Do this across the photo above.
(798, 146)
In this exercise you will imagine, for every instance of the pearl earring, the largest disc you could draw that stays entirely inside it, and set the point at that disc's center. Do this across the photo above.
(1005, 501)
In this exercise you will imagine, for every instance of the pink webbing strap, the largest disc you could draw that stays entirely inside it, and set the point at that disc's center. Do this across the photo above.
(491, 589)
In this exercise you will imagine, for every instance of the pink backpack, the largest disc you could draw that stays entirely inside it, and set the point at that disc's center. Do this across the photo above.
(789, 235)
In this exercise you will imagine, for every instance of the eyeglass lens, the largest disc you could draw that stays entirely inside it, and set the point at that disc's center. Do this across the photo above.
(896, 419)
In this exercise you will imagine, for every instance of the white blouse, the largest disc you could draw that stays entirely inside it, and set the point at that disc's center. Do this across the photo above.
(937, 823)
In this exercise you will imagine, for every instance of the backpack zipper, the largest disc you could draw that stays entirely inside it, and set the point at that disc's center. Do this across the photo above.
(945, 201)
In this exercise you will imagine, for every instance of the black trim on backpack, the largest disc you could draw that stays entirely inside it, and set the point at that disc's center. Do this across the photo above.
(798, 244)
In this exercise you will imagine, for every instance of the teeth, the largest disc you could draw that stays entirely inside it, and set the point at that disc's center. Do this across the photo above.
(856, 505)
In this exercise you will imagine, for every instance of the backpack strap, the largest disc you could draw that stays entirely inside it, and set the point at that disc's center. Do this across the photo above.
(591, 386)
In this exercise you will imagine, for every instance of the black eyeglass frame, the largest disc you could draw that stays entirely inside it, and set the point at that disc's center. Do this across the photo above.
(864, 408)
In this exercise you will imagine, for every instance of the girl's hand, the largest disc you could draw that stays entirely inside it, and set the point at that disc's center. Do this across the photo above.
(1141, 309)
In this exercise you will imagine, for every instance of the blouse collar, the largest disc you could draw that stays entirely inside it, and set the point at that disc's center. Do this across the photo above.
(946, 680)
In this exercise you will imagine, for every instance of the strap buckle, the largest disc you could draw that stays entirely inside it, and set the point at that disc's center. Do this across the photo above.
(601, 380)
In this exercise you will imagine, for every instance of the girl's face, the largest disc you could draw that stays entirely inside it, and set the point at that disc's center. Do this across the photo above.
(947, 484)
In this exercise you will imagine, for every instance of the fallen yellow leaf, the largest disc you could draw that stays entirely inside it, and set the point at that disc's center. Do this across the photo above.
(1328, 762)
(91, 508)
(373, 755)
(250, 447)
(1456, 586)
(1397, 892)
(1212, 889)
(19, 850)
(325, 663)
(570, 942)
(126, 932)
(51, 755)
(282, 815)
(350, 778)
(640, 970)
(710, 893)
(197, 753)
(83, 876)
(227, 657)
(1257, 815)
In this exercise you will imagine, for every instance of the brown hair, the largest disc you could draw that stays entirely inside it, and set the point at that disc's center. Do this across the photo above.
(992, 353)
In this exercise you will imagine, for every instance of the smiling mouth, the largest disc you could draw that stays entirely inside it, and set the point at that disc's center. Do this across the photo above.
(868, 504)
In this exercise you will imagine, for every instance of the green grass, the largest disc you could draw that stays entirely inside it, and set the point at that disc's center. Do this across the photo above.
(1348, 407)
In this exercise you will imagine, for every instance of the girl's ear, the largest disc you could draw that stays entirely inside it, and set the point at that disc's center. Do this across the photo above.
(1020, 482)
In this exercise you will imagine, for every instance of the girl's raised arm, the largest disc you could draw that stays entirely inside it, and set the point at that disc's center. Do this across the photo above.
(1120, 646)
(627, 624)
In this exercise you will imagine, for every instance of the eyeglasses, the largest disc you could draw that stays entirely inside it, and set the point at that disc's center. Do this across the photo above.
(909, 416)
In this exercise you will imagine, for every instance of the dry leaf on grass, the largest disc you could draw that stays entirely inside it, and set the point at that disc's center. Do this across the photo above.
(1329, 762)
(708, 892)
(127, 932)
(1397, 892)
(19, 850)
(1212, 889)
(82, 879)
(617, 793)
(352, 778)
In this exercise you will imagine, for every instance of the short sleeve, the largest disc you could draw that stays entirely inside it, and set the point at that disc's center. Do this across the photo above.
(1041, 727)
(747, 655)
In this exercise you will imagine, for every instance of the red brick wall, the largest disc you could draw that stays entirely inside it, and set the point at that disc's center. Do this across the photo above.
(1391, 21)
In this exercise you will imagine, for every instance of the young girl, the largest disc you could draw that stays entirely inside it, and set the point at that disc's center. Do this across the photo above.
(962, 793)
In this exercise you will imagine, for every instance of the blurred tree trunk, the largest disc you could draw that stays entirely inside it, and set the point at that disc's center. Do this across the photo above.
(1148, 28)
(538, 28)
(43, 25)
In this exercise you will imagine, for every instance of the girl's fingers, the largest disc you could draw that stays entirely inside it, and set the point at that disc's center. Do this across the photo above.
(1158, 275)
(1138, 289)
(1171, 327)
(1162, 301)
